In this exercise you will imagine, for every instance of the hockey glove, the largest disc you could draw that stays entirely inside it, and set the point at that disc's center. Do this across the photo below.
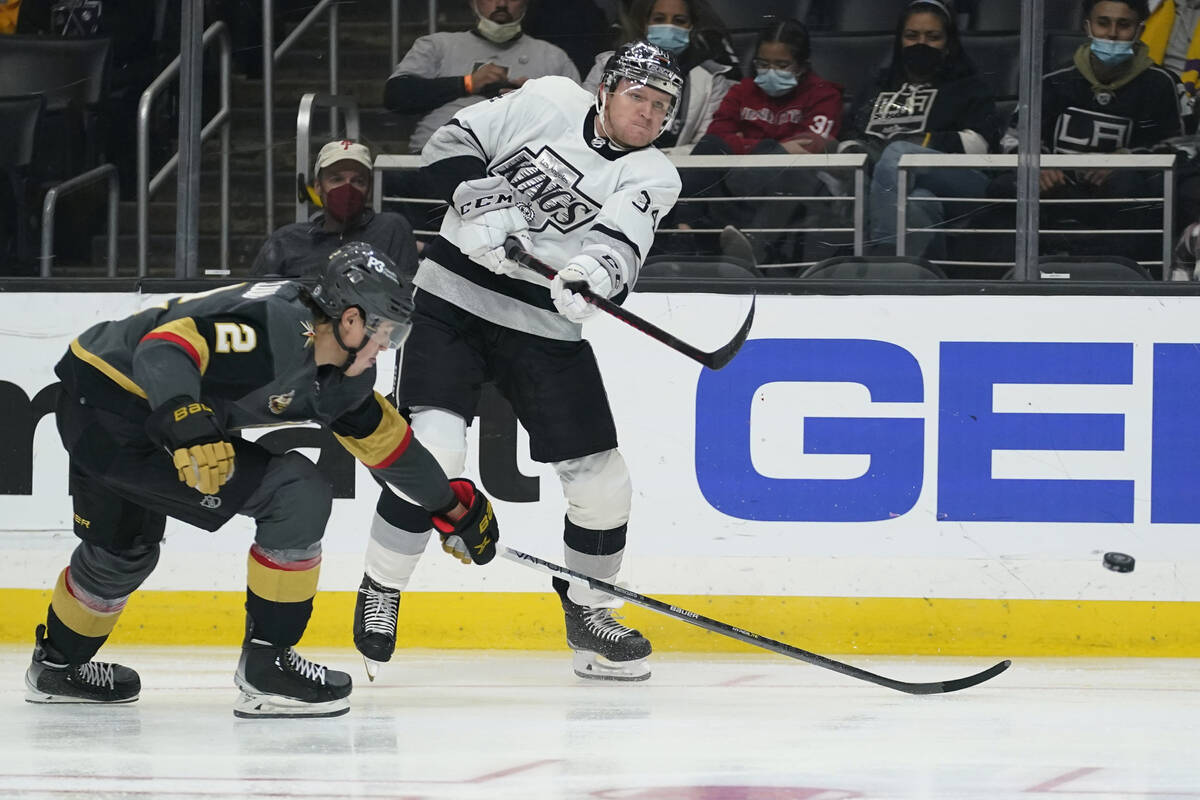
(473, 537)
(489, 213)
(585, 269)
(201, 451)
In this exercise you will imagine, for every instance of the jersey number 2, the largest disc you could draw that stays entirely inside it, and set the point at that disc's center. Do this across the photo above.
(235, 337)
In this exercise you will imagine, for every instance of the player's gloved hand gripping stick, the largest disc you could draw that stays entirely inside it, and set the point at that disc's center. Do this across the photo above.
(473, 536)
(714, 360)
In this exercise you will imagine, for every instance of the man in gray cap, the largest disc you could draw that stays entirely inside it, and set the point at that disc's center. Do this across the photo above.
(341, 187)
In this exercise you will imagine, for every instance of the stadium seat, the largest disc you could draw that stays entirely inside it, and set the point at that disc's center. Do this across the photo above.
(19, 120)
(851, 59)
(861, 16)
(669, 266)
(1088, 268)
(751, 16)
(1060, 49)
(998, 59)
(992, 16)
(73, 75)
(879, 268)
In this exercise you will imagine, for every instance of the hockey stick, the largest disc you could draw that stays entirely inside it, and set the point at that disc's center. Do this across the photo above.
(712, 625)
(714, 360)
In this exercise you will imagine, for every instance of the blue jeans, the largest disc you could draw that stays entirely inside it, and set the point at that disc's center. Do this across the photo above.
(939, 182)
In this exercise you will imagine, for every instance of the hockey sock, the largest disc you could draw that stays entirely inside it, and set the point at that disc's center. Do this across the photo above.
(393, 553)
(279, 595)
(596, 553)
(77, 622)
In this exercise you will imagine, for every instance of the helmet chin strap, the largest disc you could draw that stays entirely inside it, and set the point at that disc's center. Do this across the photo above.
(351, 352)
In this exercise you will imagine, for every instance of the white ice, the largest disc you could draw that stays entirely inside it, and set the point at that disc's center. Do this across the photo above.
(520, 725)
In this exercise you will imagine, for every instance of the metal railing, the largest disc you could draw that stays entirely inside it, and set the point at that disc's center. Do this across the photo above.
(856, 162)
(271, 54)
(1164, 163)
(147, 186)
(308, 103)
(103, 172)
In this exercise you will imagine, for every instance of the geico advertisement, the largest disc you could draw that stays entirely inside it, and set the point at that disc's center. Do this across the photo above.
(848, 433)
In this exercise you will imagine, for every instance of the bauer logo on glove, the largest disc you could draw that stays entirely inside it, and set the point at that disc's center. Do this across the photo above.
(473, 537)
(199, 448)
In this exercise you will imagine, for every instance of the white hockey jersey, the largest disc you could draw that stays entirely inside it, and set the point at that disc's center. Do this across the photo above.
(574, 189)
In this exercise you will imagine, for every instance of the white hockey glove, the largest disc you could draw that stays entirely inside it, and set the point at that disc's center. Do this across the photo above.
(587, 269)
(490, 215)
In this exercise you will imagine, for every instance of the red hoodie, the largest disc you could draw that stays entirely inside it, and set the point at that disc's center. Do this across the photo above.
(748, 115)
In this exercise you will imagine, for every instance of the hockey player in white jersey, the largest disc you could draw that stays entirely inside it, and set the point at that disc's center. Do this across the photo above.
(573, 176)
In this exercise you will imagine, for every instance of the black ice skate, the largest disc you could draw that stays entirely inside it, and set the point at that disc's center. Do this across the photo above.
(50, 679)
(375, 623)
(604, 648)
(279, 682)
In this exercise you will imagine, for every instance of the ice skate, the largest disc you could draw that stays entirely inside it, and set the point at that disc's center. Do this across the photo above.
(375, 623)
(604, 648)
(50, 679)
(279, 682)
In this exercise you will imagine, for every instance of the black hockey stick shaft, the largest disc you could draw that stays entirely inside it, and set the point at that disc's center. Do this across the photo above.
(713, 360)
(714, 626)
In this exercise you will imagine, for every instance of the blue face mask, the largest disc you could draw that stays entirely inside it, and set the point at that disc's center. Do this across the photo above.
(776, 82)
(671, 38)
(1112, 52)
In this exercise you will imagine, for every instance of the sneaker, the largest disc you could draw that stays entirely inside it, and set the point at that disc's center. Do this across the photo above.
(375, 623)
(279, 682)
(50, 679)
(604, 648)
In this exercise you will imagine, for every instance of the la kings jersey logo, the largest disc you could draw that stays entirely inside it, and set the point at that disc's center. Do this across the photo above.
(550, 186)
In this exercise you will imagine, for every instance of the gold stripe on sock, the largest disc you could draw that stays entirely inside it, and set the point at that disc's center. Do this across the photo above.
(78, 617)
(279, 584)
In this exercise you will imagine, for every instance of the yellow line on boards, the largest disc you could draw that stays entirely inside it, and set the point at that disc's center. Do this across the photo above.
(827, 625)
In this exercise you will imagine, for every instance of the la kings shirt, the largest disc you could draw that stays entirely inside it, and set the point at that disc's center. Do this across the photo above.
(574, 189)
(247, 351)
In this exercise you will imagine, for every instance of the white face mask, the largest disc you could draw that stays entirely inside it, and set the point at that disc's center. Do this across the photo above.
(499, 32)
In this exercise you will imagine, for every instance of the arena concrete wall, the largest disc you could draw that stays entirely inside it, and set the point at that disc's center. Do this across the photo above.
(871, 474)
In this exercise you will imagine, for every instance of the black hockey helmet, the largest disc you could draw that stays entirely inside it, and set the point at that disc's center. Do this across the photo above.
(645, 64)
(358, 275)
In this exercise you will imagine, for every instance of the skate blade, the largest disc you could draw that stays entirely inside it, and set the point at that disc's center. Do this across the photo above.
(272, 706)
(35, 695)
(596, 667)
(372, 668)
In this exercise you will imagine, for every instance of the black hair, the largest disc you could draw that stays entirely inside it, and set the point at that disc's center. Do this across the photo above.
(1140, 8)
(788, 32)
(956, 63)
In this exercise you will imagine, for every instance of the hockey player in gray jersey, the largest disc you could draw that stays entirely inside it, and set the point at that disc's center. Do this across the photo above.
(572, 176)
(145, 411)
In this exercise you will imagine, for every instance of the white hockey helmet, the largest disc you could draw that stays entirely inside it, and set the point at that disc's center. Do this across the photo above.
(647, 65)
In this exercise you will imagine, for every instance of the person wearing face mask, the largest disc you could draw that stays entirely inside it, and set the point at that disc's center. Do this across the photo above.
(695, 35)
(445, 72)
(781, 107)
(1112, 98)
(341, 186)
(929, 99)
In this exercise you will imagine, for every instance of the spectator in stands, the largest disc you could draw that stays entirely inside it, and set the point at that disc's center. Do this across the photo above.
(695, 35)
(929, 99)
(579, 27)
(445, 72)
(342, 184)
(1172, 34)
(1112, 99)
(784, 108)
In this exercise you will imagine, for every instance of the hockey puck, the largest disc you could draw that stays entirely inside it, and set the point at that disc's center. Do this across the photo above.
(1118, 562)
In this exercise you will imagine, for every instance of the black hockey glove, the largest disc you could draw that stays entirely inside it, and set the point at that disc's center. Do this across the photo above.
(473, 537)
(200, 449)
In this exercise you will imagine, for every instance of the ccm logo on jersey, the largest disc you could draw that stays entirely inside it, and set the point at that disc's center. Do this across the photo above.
(498, 200)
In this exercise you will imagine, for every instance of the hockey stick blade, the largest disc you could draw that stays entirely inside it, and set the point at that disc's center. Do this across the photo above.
(714, 626)
(714, 360)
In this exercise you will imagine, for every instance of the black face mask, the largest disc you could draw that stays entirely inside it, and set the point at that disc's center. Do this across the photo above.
(921, 60)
